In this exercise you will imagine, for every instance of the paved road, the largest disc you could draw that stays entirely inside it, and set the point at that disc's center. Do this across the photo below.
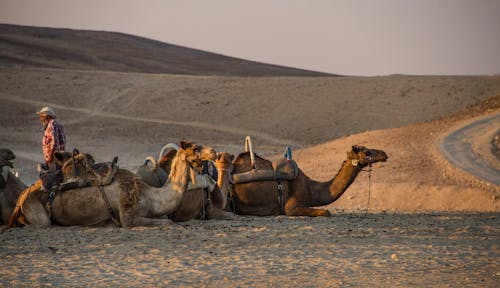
(460, 148)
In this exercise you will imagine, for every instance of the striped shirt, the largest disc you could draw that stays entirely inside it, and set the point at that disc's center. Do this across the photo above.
(54, 140)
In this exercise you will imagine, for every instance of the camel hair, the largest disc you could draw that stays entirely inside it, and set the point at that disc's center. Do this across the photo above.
(262, 198)
(127, 201)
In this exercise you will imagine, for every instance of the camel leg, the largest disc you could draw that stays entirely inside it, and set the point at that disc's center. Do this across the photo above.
(219, 214)
(306, 211)
(35, 212)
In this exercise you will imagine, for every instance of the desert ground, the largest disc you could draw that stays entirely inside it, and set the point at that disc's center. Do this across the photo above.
(416, 220)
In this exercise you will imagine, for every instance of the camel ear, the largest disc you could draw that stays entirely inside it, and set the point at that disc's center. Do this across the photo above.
(185, 144)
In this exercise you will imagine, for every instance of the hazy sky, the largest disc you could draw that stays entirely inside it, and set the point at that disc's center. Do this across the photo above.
(352, 37)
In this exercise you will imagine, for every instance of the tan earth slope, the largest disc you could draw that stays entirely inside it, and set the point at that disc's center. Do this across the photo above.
(132, 115)
(417, 177)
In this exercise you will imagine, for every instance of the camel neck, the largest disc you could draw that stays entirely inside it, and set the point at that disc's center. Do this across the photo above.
(179, 174)
(344, 178)
(223, 182)
(325, 193)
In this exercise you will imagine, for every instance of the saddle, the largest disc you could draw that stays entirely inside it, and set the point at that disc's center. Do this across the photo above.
(151, 173)
(100, 174)
(283, 169)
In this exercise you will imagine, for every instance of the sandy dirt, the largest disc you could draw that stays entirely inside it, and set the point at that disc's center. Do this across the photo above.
(345, 250)
(429, 223)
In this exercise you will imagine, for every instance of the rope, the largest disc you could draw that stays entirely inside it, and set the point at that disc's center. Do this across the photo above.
(369, 189)
(111, 211)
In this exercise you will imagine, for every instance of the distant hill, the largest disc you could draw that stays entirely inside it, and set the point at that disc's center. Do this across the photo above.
(109, 51)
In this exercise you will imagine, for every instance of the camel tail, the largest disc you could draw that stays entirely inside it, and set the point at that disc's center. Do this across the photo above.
(20, 201)
(166, 147)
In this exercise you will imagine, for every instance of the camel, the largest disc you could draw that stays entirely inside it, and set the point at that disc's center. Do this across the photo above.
(297, 196)
(224, 165)
(197, 203)
(127, 201)
(11, 186)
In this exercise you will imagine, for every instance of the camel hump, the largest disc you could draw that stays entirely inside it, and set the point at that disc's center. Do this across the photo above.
(286, 169)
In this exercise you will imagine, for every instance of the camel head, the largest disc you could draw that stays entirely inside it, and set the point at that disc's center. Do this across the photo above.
(5, 156)
(363, 156)
(195, 154)
(224, 161)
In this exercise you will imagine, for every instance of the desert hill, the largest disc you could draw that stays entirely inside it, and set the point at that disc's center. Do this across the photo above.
(28, 46)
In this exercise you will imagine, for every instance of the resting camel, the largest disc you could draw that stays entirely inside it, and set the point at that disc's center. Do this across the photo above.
(127, 201)
(10, 186)
(196, 203)
(262, 198)
(224, 165)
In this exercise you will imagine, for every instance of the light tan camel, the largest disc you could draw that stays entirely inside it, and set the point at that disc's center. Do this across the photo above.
(224, 164)
(262, 198)
(11, 186)
(197, 203)
(126, 200)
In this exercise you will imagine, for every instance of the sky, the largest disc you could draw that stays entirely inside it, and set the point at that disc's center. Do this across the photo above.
(349, 37)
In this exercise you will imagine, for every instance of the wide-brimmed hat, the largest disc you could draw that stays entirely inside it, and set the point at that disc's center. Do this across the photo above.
(47, 111)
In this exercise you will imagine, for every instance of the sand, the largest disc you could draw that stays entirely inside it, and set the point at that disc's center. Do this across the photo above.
(345, 250)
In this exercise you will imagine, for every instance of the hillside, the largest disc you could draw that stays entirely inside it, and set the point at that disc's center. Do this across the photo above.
(132, 115)
(27, 46)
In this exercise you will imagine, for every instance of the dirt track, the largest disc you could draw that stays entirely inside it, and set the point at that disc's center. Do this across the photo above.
(470, 148)
(348, 250)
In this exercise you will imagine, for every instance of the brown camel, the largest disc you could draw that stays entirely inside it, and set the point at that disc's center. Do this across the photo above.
(10, 186)
(127, 201)
(197, 203)
(262, 198)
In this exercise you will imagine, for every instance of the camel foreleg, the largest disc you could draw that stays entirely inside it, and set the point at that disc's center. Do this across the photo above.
(306, 211)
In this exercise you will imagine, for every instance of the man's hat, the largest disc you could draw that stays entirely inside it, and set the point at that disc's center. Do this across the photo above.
(47, 111)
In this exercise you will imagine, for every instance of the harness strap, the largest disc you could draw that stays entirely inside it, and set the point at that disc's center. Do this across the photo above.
(108, 205)
(232, 198)
(204, 211)
(281, 200)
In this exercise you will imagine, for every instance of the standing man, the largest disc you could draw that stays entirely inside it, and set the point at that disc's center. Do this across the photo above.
(54, 139)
